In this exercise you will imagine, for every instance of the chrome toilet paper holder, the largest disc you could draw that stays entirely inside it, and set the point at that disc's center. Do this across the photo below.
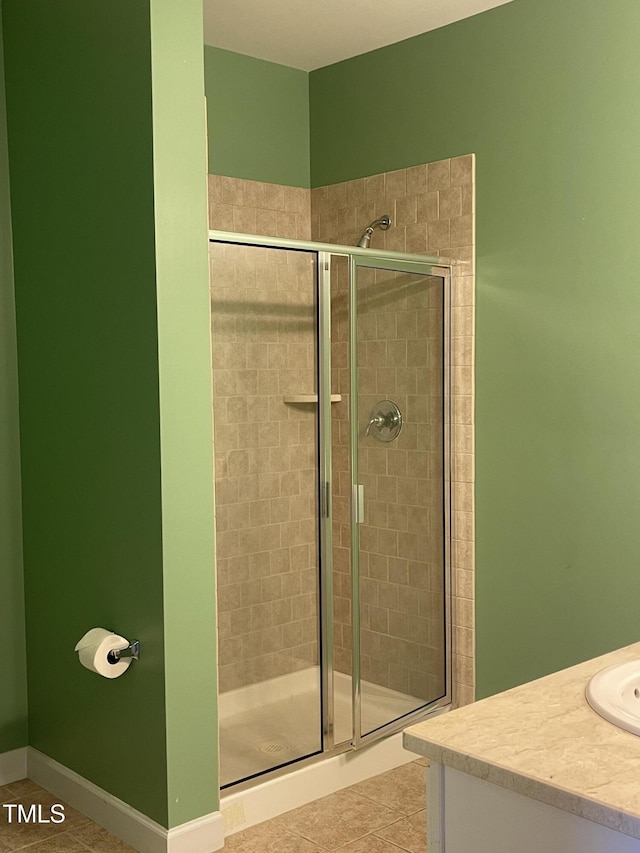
(131, 651)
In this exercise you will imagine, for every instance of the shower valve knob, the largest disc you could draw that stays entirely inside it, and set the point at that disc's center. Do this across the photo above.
(385, 422)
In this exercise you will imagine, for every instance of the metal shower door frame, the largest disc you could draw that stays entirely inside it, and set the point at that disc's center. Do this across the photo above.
(382, 261)
(357, 257)
(326, 510)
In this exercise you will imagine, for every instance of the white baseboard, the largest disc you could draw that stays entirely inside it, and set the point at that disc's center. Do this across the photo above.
(202, 835)
(13, 766)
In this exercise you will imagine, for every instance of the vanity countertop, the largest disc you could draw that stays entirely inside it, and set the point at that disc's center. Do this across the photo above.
(543, 740)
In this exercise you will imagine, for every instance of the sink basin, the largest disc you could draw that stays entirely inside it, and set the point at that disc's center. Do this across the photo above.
(614, 693)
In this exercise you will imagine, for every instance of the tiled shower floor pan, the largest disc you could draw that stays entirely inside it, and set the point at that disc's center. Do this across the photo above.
(268, 724)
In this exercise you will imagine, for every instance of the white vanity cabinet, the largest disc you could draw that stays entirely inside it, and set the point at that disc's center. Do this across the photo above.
(469, 815)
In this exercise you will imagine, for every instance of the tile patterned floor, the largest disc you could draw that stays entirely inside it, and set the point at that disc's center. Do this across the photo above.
(77, 834)
(384, 814)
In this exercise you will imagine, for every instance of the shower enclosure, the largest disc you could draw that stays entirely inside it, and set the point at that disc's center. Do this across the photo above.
(331, 416)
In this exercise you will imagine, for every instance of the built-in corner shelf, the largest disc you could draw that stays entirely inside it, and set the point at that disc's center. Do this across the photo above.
(310, 398)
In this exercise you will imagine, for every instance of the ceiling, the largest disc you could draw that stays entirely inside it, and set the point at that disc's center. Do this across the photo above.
(309, 34)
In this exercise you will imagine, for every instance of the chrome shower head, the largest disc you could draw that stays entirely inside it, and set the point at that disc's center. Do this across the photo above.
(383, 223)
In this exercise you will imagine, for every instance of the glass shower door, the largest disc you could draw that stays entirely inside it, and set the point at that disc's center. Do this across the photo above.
(400, 491)
(265, 392)
(330, 384)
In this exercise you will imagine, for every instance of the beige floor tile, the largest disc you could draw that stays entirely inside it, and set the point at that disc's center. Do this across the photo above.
(402, 789)
(267, 838)
(14, 835)
(99, 840)
(423, 762)
(24, 788)
(63, 843)
(410, 833)
(336, 820)
(370, 844)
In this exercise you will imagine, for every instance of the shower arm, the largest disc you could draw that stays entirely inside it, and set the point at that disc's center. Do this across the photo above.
(383, 223)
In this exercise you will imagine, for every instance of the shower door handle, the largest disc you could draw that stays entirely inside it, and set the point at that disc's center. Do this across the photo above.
(358, 503)
(326, 500)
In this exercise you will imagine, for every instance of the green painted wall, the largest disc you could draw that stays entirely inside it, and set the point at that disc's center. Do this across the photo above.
(545, 94)
(13, 695)
(258, 118)
(182, 261)
(78, 75)
(111, 275)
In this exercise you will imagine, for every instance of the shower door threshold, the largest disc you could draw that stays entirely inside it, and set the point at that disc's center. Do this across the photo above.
(247, 804)
(249, 745)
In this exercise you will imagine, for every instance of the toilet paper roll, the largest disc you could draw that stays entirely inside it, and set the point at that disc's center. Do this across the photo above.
(94, 648)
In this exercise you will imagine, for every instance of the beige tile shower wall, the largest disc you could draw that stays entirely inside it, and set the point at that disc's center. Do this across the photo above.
(432, 207)
(255, 207)
(263, 320)
(399, 356)
(400, 340)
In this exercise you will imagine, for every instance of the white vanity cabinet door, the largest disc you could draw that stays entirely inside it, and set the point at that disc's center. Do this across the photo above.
(469, 815)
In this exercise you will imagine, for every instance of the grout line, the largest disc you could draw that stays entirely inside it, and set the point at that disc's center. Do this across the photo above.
(392, 843)
(41, 841)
